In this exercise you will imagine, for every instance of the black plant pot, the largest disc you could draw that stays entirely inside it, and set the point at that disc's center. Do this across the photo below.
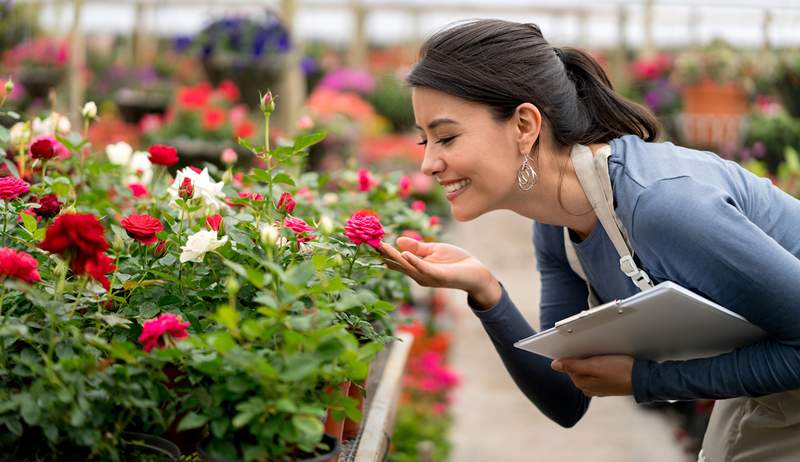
(330, 456)
(39, 80)
(143, 447)
(135, 104)
(251, 76)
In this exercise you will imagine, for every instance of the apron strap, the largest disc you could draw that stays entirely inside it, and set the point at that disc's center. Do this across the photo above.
(592, 172)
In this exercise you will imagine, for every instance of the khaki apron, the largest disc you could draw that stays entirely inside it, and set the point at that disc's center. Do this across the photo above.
(765, 429)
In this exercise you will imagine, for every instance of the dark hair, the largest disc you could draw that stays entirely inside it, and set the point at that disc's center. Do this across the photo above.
(504, 64)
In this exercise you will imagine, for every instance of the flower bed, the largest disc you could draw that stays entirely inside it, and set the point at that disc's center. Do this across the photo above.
(220, 309)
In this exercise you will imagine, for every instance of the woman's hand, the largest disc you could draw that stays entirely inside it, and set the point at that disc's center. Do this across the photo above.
(433, 264)
(608, 375)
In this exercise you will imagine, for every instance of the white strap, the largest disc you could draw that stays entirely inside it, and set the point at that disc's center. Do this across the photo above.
(592, 172)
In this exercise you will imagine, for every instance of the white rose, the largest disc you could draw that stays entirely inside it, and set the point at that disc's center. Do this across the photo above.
(119, 153)
(330, 198)
(89, 110)
(326, 224)
(206, 189)
(200, 243)
(62, 125)
(19, 134)
(140, 168)
(269, 234)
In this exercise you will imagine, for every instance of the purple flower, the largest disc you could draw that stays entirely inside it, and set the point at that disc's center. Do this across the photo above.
(344, 79)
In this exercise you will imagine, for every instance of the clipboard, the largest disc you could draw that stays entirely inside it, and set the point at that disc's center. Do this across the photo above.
(667, 322)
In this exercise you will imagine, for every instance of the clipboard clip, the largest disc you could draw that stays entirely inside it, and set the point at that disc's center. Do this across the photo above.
(571, 324)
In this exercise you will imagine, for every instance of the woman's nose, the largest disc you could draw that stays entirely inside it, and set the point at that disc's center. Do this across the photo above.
(432, 164)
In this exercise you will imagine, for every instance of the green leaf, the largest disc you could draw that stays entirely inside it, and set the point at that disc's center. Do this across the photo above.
(28, 409)
(12, 167)
(246, 144)
(221, 341)
(13, 425)
(39, 234)
(228, 317)
(5, 135)
(301, 275)
(304, 141)
(192, 420)
(29, 222)
(792, 159)
(219, 427)
(283, 178)
(309, 427)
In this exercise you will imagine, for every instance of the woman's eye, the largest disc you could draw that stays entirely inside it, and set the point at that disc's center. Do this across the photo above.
(442, 141)
(422, 142)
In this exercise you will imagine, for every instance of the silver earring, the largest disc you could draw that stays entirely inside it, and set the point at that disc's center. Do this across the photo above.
(526, 176)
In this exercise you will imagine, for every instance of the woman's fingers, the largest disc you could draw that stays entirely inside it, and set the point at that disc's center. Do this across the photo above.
(391, 254)
(420, 266)
(414, 246)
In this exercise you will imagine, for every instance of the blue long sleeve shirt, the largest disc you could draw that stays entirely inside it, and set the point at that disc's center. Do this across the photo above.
(692, 218)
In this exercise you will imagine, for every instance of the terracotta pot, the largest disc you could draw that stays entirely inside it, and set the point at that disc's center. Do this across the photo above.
(332, 426)
(352, 428)
(713, 114)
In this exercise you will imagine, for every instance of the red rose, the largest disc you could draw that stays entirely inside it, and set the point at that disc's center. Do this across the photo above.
(154, 330)
(434, 220)
(12, 187)
(18, 265)
(160, 249)
(81, 238)
(161, 154)
(138, 189)
(78, 234)
(244, 129)
(229, 91)
(42, 148)
(49, 206)
(301, 229)
(186, 190)
(214, 221)
(363, 228)
(286, 203)
(213, 118)
(143, 228)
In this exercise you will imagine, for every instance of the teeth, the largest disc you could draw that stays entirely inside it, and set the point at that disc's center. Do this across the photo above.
(453, 187)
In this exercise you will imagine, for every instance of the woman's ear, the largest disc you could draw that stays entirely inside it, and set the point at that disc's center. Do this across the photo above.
(528, 121)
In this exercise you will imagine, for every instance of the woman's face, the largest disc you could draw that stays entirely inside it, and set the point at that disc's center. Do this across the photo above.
(474, 157)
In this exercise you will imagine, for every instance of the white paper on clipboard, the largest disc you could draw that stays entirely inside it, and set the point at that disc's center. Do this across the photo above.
(667, 322)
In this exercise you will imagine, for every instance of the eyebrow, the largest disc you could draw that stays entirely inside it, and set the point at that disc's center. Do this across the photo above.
(436, 122)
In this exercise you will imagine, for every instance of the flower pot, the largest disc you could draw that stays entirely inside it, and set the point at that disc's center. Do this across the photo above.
(352, 428)
(39, 80)
(332, 426)
(713, 114)
(250, 75)
(158, 449)
(330, 456)
(134, 104)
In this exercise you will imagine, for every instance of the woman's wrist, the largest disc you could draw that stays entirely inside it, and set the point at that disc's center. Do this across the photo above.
(486, 295)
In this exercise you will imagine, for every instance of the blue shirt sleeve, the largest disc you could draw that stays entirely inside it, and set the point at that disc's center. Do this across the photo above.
(697, 236)
(550, 391)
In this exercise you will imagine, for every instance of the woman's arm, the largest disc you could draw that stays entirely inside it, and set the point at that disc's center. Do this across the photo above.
(708, 245)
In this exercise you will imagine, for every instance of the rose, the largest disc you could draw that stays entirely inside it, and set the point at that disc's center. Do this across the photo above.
(89, 111)
(286, 203)
(418, 206)
(138, 190)
(229, 156)
(161, 154)
(20, 265)
(200, 243)
(142, 228)
(153, 331)
(207, 190)
(49, 206)
(404, 187)
(140, 168)
(81, 237)
(301, 229)
(214, 222)
(119, 153)
(12, 187)
(364, 228)
(186, 191)
(365, 181)
(42, 148)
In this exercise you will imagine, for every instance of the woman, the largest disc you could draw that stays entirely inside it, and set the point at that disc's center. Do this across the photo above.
(504, 118)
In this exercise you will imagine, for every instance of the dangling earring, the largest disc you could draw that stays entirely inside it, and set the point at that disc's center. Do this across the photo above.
(526, 176)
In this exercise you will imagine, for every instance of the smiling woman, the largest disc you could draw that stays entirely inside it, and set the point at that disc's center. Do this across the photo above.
(510, 122)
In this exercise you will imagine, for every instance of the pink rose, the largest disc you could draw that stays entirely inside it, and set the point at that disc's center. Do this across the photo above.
(364, 228)
(365, 180)
(138, 189)
(12, 187)
(419, 206)
(301, 229)
(154, 330)
(286, 203)
(214, 221)
(404, 187)
(19, 265)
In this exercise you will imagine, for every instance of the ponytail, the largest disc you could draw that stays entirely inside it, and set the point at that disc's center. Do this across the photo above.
(503, 64)
(609, 114)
